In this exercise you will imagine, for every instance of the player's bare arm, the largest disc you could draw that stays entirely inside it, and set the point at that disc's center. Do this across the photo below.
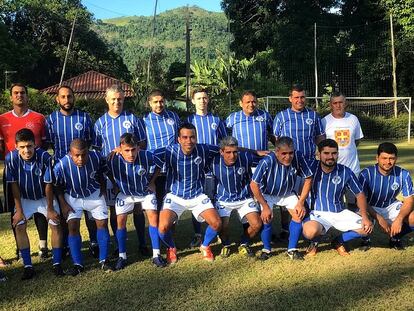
(18, 215)
(51, 213)
(266, 214)
(300, 206)
(405, 210)
(362, 204)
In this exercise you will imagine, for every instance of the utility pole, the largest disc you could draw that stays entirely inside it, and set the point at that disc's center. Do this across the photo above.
(394, 69)
(67, 50)
(6, 74)
(152, 41)
(187, 60)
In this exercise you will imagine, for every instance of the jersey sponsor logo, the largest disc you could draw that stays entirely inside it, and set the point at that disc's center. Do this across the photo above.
(205, 201)
(336, 180)
(395, 186)
(127, 124)
(38, 171)
(309, 121)
(240, 171)
(141, 171)
(79, 126)
(197, 160)
(170, 121)
(6, 125)
(260, 119)
(214, 126)
(343, 137)
(30, 125)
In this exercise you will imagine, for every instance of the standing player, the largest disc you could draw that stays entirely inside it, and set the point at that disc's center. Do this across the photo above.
(63, 126)
(108, 130)
(11, 122)
(130, 170)
(273, 183)
(185, 164)
(382, 183)
(232, 169)
(210, 130)
(304, 126)
(81, 187)
(29, 176)
(330, 180)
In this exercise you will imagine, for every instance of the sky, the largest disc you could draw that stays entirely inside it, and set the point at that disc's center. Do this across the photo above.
(116, 8)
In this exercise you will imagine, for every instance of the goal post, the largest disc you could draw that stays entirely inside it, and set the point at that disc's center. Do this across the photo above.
(380, 117)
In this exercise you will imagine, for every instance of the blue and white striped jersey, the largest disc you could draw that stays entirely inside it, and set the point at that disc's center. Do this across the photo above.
(80, 182)
(61, 130)
(234, 180)
(328, 189)
(277, 179)
(30, 175)
(185, 173)
(251, 131)
(210, 129)
(132, 178)
(381, 190)
(302, 127)
(108, 130)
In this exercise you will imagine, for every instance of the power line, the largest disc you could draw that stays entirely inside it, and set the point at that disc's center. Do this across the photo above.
(105, 9)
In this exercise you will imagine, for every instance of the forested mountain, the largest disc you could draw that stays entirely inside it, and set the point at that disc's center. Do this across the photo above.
(131, 36)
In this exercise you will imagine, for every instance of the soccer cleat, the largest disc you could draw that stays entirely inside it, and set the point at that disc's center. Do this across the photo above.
(159, 262)
(196, 241)
(28, 273)
(294, 255)
(144, 251)
(171, 255)
(58, 270)
(396, 244)
(264, 255)
(245, 250)
(74, 270)
(94, 250)
(365, 245)
(120, 264)
(312, 249)
(43, 254)
(207, 253)
(106, 266)
(340, 248)
(3, 278)
(225, 252)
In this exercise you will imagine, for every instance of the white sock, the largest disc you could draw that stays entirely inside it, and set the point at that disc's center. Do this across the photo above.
(155, 253)
(123, 255)
(42, 244)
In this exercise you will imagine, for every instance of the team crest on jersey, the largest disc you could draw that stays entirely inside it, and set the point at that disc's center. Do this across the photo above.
(30, 125)
(214, 126)
(260, 119)
(395, 186)
(197, 160)
(38, 171)
(205, 201)
(170, 121)
(92, 174)
(309, 121)
(127, 124)
(141, 171)
(343, 137)
(79, 126)
(336, 180)
(240, 171)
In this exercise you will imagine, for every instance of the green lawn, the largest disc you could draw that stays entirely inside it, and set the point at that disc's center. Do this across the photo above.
(380, 279)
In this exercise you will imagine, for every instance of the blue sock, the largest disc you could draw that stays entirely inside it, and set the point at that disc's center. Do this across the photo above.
(121, 236)
(75, 242)
(57, 255)
(139, 223)
(103, 241)
(348, 236)
(266, 236)
(27, 260)
(295, 230)
(209, 236)
(405, 229)
(155, 239)
(196, 225)
(167, 238)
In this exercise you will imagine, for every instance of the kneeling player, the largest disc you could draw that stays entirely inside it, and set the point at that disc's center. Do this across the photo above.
(330, 180)
(382, 183)
(80, 174)
(130, 170)
(29, 172)
(273, 184)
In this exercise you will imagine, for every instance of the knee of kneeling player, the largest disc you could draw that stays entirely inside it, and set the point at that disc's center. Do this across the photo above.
(216, 225)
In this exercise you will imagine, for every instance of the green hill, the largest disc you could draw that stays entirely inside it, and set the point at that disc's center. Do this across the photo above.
(131, 36)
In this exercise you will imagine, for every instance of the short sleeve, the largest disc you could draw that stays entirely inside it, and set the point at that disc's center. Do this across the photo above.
(261, 170)
(159, 157)
(353, 184)
(97, 137)
(407, 185)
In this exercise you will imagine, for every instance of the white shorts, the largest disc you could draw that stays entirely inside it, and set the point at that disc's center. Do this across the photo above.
(124, 204)
(288, 201)
(196, 205)
(390, 212)
(37, 206)
(110, 195)
(342, 221)
(94, 205)
(243, 208)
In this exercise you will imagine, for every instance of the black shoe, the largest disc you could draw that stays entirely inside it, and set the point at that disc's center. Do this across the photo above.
(159, 262)
(144, 251)
(43, 254)
(120, 264)
(74, 270)
(245, 250)
(28, 273)
(264, 255)
(106, 266)
(94, 250)
(294, 255)
(396, 244)
(365, 245)
(58, 270)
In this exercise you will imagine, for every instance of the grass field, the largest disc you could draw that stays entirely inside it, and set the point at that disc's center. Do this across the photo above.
(380, 279)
